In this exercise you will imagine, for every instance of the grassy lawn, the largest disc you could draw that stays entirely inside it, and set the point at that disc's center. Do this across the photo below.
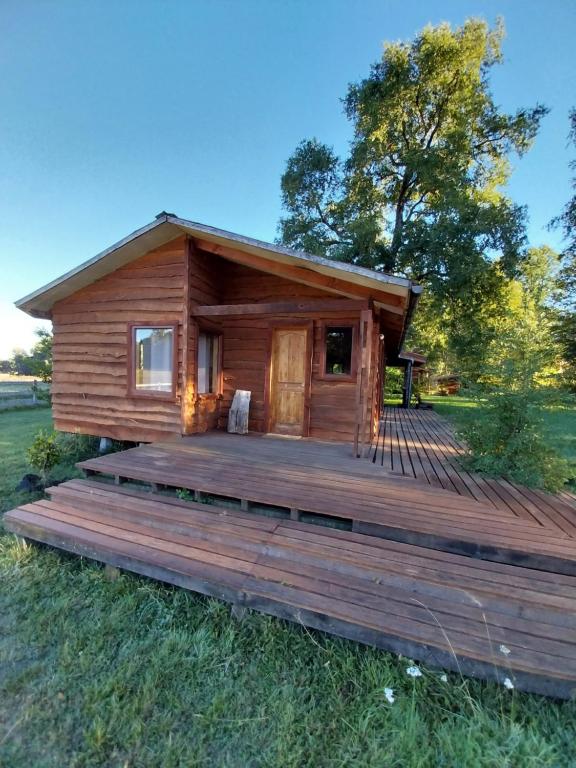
(132, 673)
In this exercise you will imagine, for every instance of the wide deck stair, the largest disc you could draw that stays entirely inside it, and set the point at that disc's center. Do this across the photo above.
(372, 504)
(479, 617)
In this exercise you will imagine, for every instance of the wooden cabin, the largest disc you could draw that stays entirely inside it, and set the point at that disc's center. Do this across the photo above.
(153, 336)
(448, 384)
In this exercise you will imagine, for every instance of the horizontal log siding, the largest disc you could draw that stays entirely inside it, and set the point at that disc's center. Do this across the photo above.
(90, 382)
(243, 285)
(245, 360)
(90, 350)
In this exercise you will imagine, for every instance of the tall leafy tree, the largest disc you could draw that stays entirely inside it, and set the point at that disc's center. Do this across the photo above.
(566, 321)
(421, 192)
(39, 361)
(567, 221)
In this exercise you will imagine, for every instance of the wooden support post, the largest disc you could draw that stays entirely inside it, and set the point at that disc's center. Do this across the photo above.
(365, 344)
(407, 390)
(118, 479)
(186, 385)
(154, 487)
(294, 514)
(198, 496)
(245, 505)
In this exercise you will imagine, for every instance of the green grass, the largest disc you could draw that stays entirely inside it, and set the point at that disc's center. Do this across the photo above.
(133, 673)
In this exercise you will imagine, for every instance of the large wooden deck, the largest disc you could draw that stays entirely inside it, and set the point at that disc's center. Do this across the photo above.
(410, 563)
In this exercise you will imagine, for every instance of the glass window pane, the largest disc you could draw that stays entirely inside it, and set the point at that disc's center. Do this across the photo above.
(154, 355)
(339, 350)
(202, 363)
(208, 357)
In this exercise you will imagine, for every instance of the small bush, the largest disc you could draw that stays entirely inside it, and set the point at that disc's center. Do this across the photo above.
(76, 447)
(44, 453)
(509, 441)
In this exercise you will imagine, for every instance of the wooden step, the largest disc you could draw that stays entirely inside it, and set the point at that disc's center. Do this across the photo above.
(446, 610)
(413, 515)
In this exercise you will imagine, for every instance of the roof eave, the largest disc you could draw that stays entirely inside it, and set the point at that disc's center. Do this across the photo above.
(174, 226)
(289, 253)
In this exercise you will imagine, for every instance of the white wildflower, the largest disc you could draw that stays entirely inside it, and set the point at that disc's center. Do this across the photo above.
(389, 693)
(508, 683)
(414, 671)
(505, 650)
(444, 678)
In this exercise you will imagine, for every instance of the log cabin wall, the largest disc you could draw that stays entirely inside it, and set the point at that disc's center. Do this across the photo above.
(90, 385)
(90, 382)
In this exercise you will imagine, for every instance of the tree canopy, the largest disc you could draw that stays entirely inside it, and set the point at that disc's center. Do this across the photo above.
(422, 190)
(565, 327)
(36, 363)
(567, 221)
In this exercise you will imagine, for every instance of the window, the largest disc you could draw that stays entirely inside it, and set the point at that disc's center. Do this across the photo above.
(338, 350)
(153, 361)
(208, 363)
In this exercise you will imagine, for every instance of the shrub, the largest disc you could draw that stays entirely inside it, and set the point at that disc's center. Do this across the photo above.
(76, 447)
(44, 453)
(509, 441)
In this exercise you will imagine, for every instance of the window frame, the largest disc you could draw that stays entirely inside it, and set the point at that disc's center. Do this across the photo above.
(348, 377)
(219, 372)
(133, 391)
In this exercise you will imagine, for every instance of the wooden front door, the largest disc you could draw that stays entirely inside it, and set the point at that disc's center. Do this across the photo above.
(289, 375)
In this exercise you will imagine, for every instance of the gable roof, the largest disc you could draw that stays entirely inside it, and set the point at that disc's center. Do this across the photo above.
(167, 227)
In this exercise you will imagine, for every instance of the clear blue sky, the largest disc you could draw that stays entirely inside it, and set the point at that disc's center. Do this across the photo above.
(115, 110)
